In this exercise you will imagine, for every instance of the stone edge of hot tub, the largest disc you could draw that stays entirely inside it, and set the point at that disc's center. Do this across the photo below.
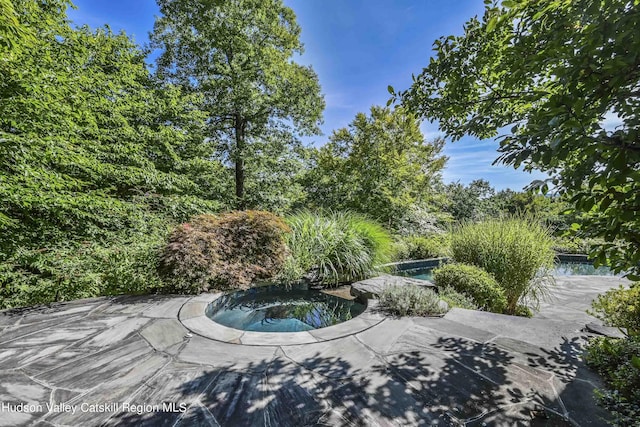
(192, 316)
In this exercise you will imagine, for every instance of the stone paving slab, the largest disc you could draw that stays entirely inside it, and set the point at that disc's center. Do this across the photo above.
(168, 309)
(117, 333)
(382, 338)
(11, 358)
(164, 333)
(468, 368)
(540, 332)
(338, 358)
(452, 328)
(343, 329)
(207, 352)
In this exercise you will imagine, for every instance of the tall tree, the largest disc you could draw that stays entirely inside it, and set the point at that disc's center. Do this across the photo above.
(89, 145)
(470, 202)
(555, 72)
(238, 55)
(380, 166)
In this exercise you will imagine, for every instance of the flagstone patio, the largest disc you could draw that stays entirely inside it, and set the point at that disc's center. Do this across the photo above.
(130, 360)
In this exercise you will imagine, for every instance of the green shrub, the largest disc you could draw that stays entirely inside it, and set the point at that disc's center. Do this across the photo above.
(523, 311)
(32, 277)
(400, 249)
(575, 245)
(618, 361)
(411, 300)
(457, 299)
(420, 247)
(620, 308)
(516, 251)
(335, 247)
(228, 251)
(473, 282)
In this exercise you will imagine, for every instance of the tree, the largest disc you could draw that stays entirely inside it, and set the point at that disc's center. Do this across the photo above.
(470, 202)
(12, 32)
(237, 54)
(380, 165)
(553, 71)
(96, 161)
(90, 146)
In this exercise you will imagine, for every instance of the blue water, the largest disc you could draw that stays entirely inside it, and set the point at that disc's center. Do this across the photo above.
(561, 269)
(281, 309)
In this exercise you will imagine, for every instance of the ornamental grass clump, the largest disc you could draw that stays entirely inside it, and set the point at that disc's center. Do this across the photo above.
(518, 252)
(227, 251)
(411, 300)
(335, 247)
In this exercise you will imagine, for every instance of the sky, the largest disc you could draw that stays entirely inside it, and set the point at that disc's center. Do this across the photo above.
(357, 48)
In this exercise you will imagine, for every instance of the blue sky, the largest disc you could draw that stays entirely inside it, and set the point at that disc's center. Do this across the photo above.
(357, 48)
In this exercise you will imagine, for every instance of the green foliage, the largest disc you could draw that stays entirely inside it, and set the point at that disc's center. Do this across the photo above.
(423, 220)
(228, 251)
(563, 76)
(620, 308)
(31, 277)
(13, 34)
(411, 300)
(379, 166)
(473, 282)
(471, 202)
(238, 55)
(523, 311)
(96, 160)
(89, 144)
(274, 173)
(618, 361)
(456, 299)
(516, 251)
(420, 247)
(335, 247)
(574, 245)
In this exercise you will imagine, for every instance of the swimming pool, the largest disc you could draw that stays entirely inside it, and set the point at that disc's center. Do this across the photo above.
(564, 268)
(282, 309)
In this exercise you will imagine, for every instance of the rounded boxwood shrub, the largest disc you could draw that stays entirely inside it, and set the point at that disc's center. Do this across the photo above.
(518, 252)
(226, 251)
(474, 282)
(411, 300)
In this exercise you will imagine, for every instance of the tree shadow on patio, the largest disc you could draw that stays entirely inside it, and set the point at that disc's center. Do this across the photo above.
(455, 382)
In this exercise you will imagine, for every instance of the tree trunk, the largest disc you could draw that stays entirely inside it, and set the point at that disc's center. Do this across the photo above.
(239, 160)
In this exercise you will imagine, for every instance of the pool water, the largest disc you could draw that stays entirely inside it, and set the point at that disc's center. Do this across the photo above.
(282, 309)
(561, 269)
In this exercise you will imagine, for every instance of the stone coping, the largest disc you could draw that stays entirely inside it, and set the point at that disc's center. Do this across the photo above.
(434, 262)
(192, 316)
(415, 264)
(577, 258)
